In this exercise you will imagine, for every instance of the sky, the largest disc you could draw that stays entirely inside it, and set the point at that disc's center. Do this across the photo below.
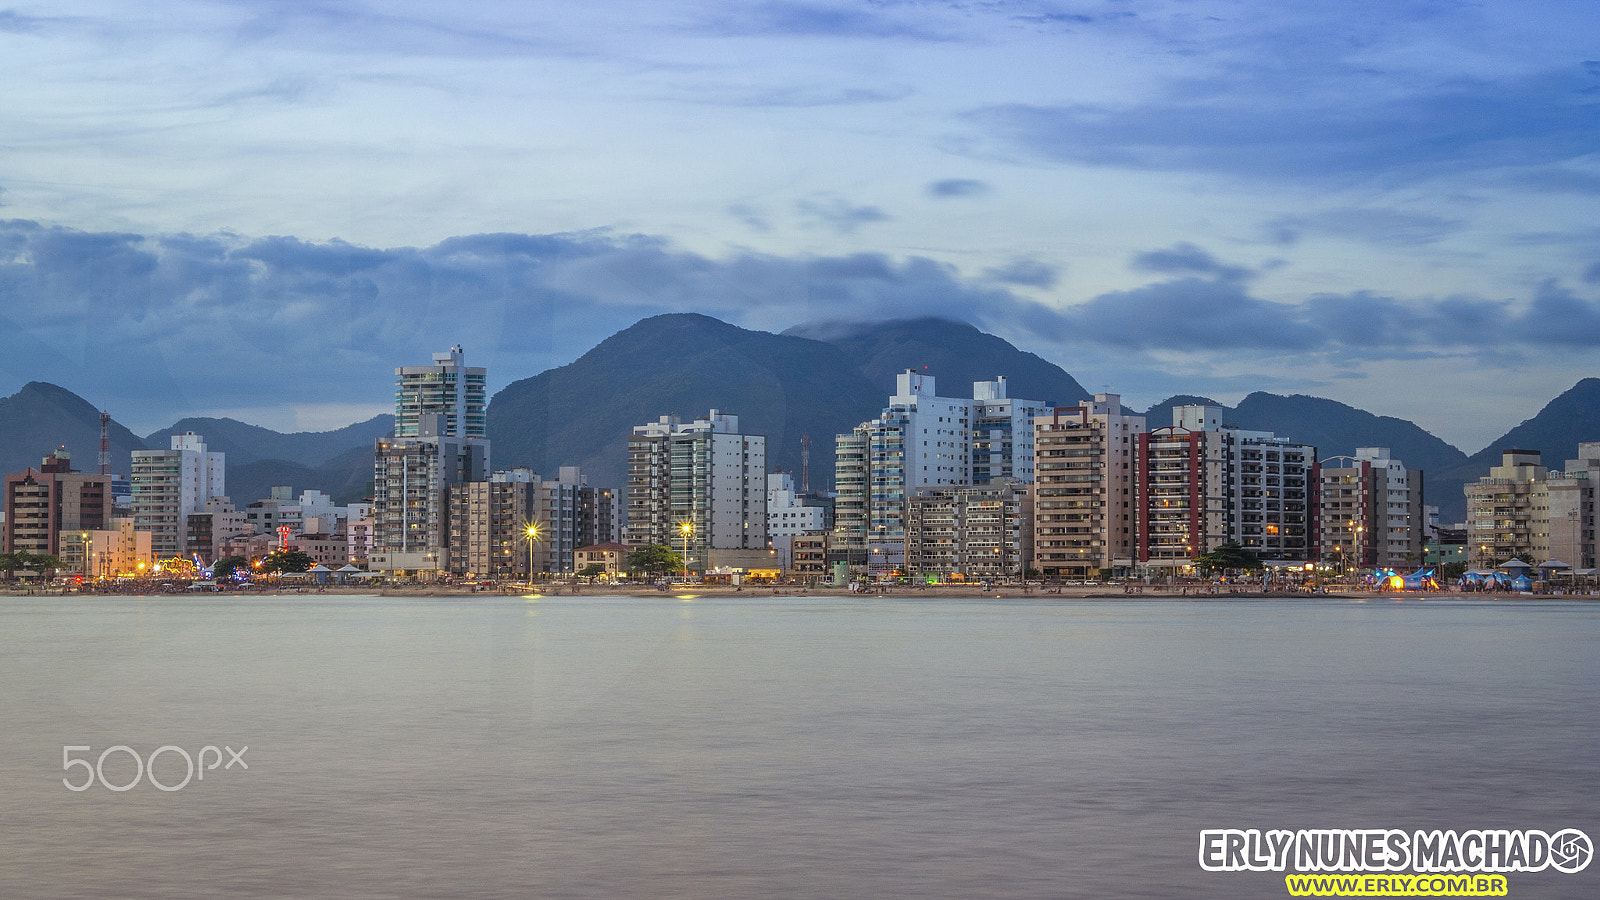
(259, 209)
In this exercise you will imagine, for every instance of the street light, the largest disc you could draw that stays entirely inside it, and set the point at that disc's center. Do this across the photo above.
(85, 537)
(687, 528)
(532, 531)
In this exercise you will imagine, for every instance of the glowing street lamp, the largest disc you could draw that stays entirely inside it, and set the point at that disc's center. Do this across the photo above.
(687, 528)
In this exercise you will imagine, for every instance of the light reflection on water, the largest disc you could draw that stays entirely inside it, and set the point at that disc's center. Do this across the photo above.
(800, 747)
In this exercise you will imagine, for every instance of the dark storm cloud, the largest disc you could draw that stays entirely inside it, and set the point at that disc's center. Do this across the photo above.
(949, 188)
(1186, 259)
(1250, 125)
(1188, 313)
(1026, 272)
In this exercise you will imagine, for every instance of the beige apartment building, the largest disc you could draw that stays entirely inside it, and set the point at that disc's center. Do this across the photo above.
(1084, 473)
(1508, 511)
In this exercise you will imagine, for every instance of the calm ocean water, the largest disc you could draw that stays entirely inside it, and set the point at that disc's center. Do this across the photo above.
(595, 747)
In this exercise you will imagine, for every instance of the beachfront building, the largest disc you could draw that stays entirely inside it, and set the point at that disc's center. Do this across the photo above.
(921, 441)
(610, 556)
(1083, 514)
(1571, 509)
(439, 441)
(46, 510)
(1370, 512)
(1508, 511)
(699, 486)
(968, 533)
(169, 485)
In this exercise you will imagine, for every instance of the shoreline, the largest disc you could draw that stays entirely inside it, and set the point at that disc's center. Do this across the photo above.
(754, 592)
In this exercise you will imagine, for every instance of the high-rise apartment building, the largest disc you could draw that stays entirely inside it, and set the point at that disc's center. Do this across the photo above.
(450, 389)
(1369, 510)
(1202, 484)
(922, 440)
(46, 509)
(1084, 479)
(488, 527)
(169, 485)
(700, 485)
(1573, 497)
(439, 442)
(1508, 511)
(1185, 488)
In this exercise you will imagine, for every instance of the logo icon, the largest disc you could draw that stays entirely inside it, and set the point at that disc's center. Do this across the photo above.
(1570, 850)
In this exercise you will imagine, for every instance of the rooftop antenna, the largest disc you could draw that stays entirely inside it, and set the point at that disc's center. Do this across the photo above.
(105, 443)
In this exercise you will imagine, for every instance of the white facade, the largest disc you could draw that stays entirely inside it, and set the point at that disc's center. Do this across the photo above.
(168, 485)
(922, 440)
(705, 474)
(938, 433)
(786, 514)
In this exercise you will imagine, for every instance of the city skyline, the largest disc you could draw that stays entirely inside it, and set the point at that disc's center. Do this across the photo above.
(1388, 205)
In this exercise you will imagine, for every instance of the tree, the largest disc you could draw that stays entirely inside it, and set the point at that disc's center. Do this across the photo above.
(656, 559)
(287, 561)
(1451, 572)
(591, 571)
(224, 567)
(1229, 556)
(22, 559)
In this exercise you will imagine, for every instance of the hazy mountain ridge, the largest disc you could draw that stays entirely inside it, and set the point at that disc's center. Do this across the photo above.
(1338, 429)
(41, 417)
(820, 379)
(245, 443)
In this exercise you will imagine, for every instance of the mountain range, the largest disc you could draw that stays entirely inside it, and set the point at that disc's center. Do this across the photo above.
(814, 380)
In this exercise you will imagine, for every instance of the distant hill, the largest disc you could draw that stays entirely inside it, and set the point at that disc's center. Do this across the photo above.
(1337, 429)
(820, 380)
(250, 443)
(346, 478)
(955, 353)
(41, 417)
(778, 385)
(1556, 431)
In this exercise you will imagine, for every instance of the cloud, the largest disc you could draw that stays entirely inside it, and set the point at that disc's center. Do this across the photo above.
(948, 188)
(840, 215)
(1186, 259)
(819, 20)
(1384, 227)
(156, 326)
(1190, 313)
(1284, 121)
(1025, 272)
(1591, 275)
